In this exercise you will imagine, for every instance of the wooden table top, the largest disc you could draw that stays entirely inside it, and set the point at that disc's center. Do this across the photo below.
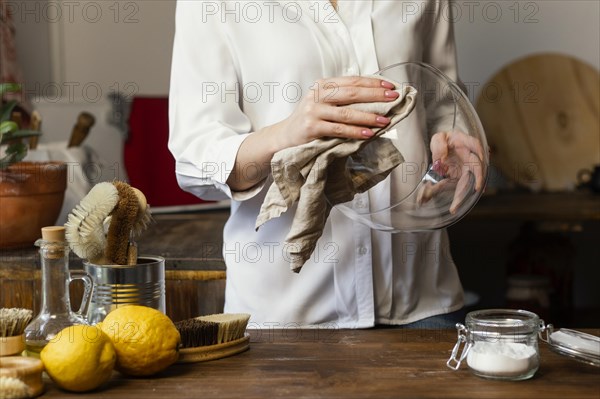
(375, 363)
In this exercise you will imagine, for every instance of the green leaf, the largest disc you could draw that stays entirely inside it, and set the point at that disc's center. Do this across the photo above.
(7, 110)
(23, 134)
(9, 88)
(14, 153)
(7, 127)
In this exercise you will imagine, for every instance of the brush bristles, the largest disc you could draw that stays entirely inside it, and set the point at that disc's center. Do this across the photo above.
(195, 333)
(85, 225)
(13, 388)
(13, 321)
(231, 325)
(124, 216)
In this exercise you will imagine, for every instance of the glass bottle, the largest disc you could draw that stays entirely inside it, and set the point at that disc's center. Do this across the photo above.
(55, 311)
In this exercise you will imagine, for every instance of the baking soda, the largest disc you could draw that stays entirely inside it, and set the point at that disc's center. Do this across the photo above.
(502, 358)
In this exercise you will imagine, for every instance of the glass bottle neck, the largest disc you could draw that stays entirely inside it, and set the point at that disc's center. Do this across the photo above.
(55, 279)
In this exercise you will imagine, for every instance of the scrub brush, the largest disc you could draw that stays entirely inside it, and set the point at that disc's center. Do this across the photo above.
(12, 325)
(212, 337)
(84, 229)
(196, 333)
(231, 325)
(102, 227)
(122, 223)
(13, 388)
(21, 377)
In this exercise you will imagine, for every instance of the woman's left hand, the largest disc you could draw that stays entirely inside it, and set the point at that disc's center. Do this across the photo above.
(456, 156)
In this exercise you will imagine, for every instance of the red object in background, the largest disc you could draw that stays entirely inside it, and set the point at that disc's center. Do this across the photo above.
(149, 164)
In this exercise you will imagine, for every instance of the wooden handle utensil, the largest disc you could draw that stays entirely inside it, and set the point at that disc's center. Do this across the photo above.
(85, 121)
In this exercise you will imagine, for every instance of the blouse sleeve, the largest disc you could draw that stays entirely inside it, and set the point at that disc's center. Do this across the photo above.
(440, 47)
(207, 125)
(440, 51)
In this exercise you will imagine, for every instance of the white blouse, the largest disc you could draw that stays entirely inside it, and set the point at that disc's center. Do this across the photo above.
(241, 65)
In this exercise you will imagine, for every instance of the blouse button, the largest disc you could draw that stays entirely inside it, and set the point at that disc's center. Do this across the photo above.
(362, 250)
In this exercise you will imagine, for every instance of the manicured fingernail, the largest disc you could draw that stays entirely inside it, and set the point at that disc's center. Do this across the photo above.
(367, 133)
(383, 120)
(440, 168)
(387, 85)
(391, 94)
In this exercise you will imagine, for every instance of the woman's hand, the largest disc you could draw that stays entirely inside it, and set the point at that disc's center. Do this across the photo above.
(458, 158)
(318, 114)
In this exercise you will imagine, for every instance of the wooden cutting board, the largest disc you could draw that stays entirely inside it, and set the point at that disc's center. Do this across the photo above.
(541, 118)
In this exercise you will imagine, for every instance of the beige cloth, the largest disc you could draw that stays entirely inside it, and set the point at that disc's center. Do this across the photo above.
(316, 176)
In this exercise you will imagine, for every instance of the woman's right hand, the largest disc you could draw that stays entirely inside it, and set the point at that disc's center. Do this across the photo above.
(319, 114)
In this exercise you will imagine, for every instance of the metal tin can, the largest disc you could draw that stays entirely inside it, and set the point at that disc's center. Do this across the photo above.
(117, 285)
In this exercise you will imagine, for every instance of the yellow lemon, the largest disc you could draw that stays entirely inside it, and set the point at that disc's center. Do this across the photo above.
(79, 358)
(145, 339)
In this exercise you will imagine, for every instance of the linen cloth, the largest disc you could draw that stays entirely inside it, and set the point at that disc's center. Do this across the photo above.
(316, 176)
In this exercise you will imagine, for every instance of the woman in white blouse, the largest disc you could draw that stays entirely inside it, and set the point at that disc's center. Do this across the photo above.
(250, 78)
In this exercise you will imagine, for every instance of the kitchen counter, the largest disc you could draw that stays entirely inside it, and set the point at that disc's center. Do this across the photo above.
(376, 363)
(192, 245)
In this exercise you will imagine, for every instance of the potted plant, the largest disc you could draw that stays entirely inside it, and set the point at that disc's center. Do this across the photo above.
(31, 193)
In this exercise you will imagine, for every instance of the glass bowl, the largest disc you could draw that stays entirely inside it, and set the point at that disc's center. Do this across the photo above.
(431, 189)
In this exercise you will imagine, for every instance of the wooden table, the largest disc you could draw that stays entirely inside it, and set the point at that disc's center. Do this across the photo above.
(576, 206)
(376, 363)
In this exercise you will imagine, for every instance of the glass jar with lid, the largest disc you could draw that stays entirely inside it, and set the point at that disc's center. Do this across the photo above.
(499, 344)
(502, 344)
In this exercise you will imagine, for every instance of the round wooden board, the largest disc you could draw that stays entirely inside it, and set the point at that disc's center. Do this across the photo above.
(541, 118)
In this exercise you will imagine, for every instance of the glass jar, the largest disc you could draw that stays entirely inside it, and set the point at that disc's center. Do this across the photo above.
(499, 344)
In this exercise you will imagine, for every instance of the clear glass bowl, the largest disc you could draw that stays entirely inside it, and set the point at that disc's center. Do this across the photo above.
(424, 193)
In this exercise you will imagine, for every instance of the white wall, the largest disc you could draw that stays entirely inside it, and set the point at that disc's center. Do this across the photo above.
(127, 44)
(492, 34)
(83, 49)
(74, 52)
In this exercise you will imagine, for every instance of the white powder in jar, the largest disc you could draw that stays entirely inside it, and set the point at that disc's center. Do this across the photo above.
(502, 358)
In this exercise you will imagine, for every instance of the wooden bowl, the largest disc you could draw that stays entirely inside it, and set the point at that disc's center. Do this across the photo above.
(26, 369)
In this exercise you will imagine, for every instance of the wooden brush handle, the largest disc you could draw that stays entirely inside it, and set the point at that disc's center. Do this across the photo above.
(36, 125)
(123, 218)
(132, 254)
(11, 346)
(85, 121)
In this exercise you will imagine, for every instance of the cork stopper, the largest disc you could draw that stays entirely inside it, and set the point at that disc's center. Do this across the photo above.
(53, 234)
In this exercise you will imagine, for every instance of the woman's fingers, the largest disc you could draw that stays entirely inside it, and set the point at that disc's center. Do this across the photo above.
(462, 190)
(474, 166)
(351, 116)
(429, 190)
(355, 81)
(439, 146)
(459, 139)
(342, 130)
(344, 95)
(352, 89)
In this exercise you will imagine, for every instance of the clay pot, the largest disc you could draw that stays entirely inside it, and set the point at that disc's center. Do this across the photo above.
(31, 197)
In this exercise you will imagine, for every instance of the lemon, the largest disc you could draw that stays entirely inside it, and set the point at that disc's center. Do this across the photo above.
(145, 339)
(79, 358)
